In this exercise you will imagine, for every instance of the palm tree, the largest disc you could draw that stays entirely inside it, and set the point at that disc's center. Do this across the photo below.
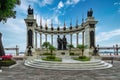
(51, 48)
(82, 47)
(70, 46)
(46, 45)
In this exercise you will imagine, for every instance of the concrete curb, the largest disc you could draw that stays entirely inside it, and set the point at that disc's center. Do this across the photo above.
(0, 70)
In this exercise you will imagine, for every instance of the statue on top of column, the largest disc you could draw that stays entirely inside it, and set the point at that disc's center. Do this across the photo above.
(59, 43)
(90, 13)
(30, 11)
(64, 42)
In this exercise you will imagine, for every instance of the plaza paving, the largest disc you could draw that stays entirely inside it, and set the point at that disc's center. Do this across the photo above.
(21, 72)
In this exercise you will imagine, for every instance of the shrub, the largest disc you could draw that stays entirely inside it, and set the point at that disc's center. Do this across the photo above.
(50, 57)
(82, 58)
(46, 53)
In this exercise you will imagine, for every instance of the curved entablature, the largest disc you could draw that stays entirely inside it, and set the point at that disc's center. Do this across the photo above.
(60, 31)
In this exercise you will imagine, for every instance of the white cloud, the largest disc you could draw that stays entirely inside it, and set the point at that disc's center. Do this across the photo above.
(25, 3)
(65, 6)
(22, 8)
(56, 19)
(44, 2)
(107, 35)
(60, 5)
(71, 2)
(40, 2)
(117, 3)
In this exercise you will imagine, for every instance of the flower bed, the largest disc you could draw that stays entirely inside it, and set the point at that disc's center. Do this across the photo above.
(82, 58)
(52, 58)
(7, 60)
(7, 57)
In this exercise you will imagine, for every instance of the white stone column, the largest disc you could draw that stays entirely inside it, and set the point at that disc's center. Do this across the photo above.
(45, 37)
(41, 40)
(83, 38)
(77, 38)
(52, 39)
(35, 39)
(70, 38)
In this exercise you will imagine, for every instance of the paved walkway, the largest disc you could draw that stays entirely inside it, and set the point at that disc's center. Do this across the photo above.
(21, 72)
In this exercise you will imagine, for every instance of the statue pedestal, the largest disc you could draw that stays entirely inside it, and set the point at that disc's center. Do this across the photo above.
(63, 54)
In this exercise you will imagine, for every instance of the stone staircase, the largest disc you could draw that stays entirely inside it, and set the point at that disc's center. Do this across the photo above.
(67, 64)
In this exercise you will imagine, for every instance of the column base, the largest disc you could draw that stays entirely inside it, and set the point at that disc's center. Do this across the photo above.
(88, 52)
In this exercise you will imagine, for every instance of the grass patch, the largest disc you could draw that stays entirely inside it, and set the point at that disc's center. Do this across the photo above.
(82, 58)
(52, 58)
(7, 63)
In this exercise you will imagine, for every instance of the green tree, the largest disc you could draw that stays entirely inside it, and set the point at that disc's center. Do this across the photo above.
(51, 48)
(7, 9)
(70, 46)
(82, 47)
(46, 45)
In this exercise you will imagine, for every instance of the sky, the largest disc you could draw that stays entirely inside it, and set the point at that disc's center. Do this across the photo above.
(106, 12)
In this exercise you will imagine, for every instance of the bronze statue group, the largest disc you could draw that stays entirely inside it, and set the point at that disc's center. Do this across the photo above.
(62, 43)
